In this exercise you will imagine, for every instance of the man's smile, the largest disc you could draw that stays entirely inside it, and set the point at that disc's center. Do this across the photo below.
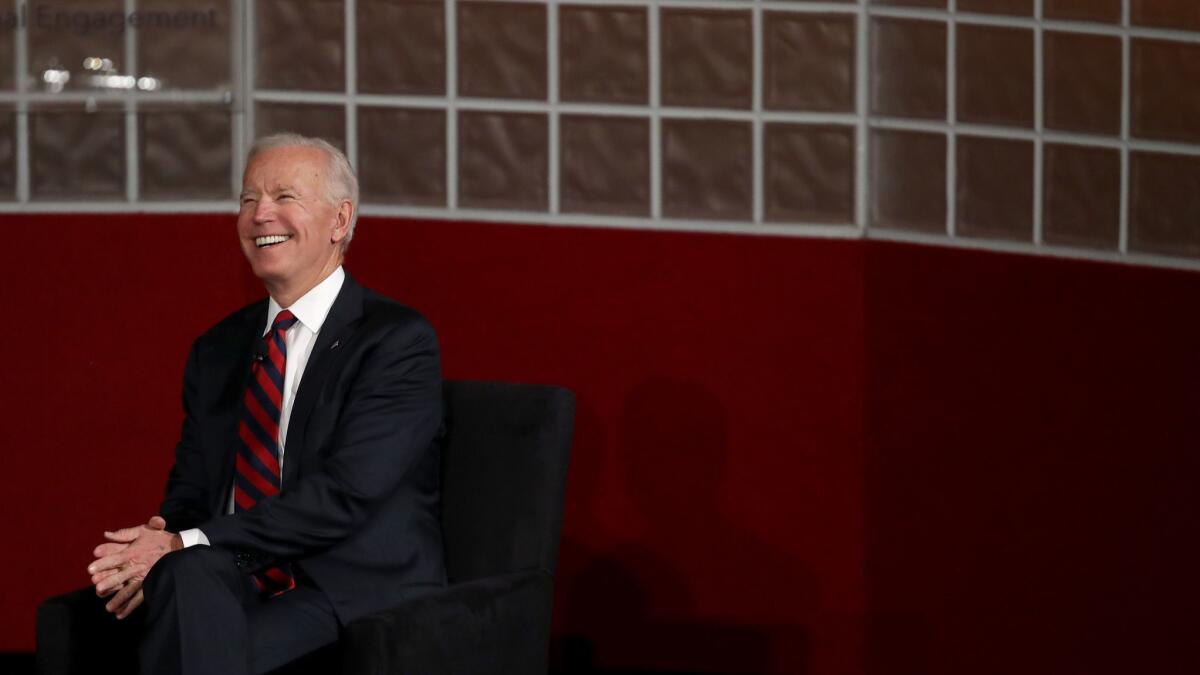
(271, 240)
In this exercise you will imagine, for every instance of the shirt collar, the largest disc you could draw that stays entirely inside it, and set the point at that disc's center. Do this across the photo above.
(312, 308)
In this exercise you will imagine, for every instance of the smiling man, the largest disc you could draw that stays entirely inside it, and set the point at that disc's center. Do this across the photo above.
(305, 487)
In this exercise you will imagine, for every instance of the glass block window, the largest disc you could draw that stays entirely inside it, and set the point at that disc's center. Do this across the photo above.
(1063, 126)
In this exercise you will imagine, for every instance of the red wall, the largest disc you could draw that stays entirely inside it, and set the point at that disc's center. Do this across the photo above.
(792, 455)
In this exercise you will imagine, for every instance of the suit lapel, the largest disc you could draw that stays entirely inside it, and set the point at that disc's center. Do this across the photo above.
(339, 325)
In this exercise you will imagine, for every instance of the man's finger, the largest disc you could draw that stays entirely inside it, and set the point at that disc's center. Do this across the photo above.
(118, 601)
(132, 605)
(97, 578)
(108, 562)
(157, 523)
(108, 549)
(107, 585)
(124, 535)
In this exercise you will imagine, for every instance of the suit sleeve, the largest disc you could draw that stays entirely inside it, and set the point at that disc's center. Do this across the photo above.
(388, 421)
(186, 503)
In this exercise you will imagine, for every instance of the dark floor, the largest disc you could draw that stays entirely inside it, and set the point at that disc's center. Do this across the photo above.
(22, 664)
(16, 663)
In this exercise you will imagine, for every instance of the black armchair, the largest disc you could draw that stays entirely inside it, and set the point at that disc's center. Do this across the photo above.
(504, 474)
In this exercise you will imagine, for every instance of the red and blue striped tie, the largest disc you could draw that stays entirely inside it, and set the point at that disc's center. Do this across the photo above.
(257, 476)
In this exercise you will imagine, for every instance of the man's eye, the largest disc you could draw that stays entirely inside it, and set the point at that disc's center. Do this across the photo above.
(286, 196)
(248, 200)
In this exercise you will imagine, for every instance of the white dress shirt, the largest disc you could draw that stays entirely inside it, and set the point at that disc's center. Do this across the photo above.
(310, 312)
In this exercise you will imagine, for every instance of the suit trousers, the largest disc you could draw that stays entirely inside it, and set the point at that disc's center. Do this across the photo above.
(204, 616)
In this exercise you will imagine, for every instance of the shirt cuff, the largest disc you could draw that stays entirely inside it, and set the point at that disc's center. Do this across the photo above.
(192, 537)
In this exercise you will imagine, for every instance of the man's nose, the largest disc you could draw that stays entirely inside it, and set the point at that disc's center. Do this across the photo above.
(264, 211)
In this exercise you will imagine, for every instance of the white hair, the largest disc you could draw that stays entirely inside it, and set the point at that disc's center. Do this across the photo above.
(340, 181)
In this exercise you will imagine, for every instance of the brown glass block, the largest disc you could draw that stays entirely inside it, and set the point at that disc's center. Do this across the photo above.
(185, 154)
(189, 51)
(502, 50)
(994, 188)
(707, 58)
(401, 47)
(1082, 82)
(1013, 7)
(57, 41)
(605, 165)
(1104, 11)
(1164, 208)
(7, 52)
(908, 60)
(1166, 101)
(1181, 14)
(934, 4)
(503, 160)
(299, 45)
(604, 54)
(1082, 196)
(707, 169)
(809, 61)
(809, 173)
(402, 156)
(908, 181)
(77, 155)
(995, 75)
(321, 121)
(8, 154)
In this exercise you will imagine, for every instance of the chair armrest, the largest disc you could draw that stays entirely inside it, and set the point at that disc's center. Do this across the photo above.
(497, 624)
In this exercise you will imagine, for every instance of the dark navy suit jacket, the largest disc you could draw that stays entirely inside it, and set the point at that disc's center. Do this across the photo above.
(358, 507)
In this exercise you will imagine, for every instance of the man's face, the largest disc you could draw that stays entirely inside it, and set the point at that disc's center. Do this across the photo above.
(288, 228)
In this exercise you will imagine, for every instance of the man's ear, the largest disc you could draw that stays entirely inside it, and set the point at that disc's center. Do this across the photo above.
(341, 223)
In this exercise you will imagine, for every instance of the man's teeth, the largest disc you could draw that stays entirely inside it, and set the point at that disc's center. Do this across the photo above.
(270, 239)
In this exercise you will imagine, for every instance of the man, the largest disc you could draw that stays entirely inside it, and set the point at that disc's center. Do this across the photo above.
(305, 487)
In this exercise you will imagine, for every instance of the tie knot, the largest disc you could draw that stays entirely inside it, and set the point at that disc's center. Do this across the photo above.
(283, 320)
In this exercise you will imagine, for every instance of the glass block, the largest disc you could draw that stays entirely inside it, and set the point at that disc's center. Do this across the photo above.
(8, 154)
(77, 155)
(995, 75)
(503, 160)
(502, 50)
(809, 173)
(605, 164)
(707, 58)
(908, 60)
(707, 169)
(908, 179)
(1165, 102)
(7, 50)
(1082, 196)
(1181, 14)
(321, 121)
(402, 156)
(1164, 209)
(1082, 82)
(68, 53)
(299, 45)
(994, 188)
(1013, 7)
(401, 47)
(933, 4)
(185, 154)
(187, 46)
(809, 61)
(604, 54)
(1103, 11)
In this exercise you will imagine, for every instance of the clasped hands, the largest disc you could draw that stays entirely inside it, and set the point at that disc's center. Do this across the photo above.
(123, 562)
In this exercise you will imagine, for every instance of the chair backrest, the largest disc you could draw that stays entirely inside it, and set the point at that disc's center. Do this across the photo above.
(504, 470)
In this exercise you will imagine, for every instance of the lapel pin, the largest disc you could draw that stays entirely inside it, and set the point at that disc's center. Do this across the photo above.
(335, 345)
